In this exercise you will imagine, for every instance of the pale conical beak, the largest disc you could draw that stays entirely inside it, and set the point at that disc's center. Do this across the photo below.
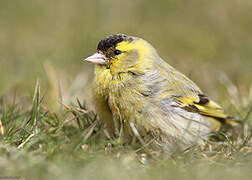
(96, 58)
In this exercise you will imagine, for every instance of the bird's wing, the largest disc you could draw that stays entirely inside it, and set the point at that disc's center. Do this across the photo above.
(187, 95)
(191, 97)
(210, 110)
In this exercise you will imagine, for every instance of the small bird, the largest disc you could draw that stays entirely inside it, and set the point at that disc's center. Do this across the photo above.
(136, 93)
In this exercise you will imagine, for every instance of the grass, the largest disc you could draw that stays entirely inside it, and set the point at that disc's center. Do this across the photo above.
(69, 144)
(50, 128)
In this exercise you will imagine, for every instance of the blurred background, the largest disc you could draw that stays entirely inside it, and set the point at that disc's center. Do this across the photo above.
(209, 41)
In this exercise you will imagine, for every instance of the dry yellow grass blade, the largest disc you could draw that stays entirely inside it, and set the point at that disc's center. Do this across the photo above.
(1, 128)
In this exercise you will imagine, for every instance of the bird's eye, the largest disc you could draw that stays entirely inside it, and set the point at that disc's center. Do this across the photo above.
(117, 52)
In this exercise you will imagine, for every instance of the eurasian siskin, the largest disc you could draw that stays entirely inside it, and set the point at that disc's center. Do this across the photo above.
(136, 93)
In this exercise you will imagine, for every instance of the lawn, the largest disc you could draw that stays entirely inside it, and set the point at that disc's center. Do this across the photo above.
(51, 130)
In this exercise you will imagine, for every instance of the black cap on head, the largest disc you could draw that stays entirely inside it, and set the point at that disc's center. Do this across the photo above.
(112, 41)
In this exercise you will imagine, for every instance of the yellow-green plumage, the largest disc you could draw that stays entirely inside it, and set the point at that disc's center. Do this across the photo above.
(135, 86)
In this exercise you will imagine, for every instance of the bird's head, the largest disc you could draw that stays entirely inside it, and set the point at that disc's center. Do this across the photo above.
(122, 53)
